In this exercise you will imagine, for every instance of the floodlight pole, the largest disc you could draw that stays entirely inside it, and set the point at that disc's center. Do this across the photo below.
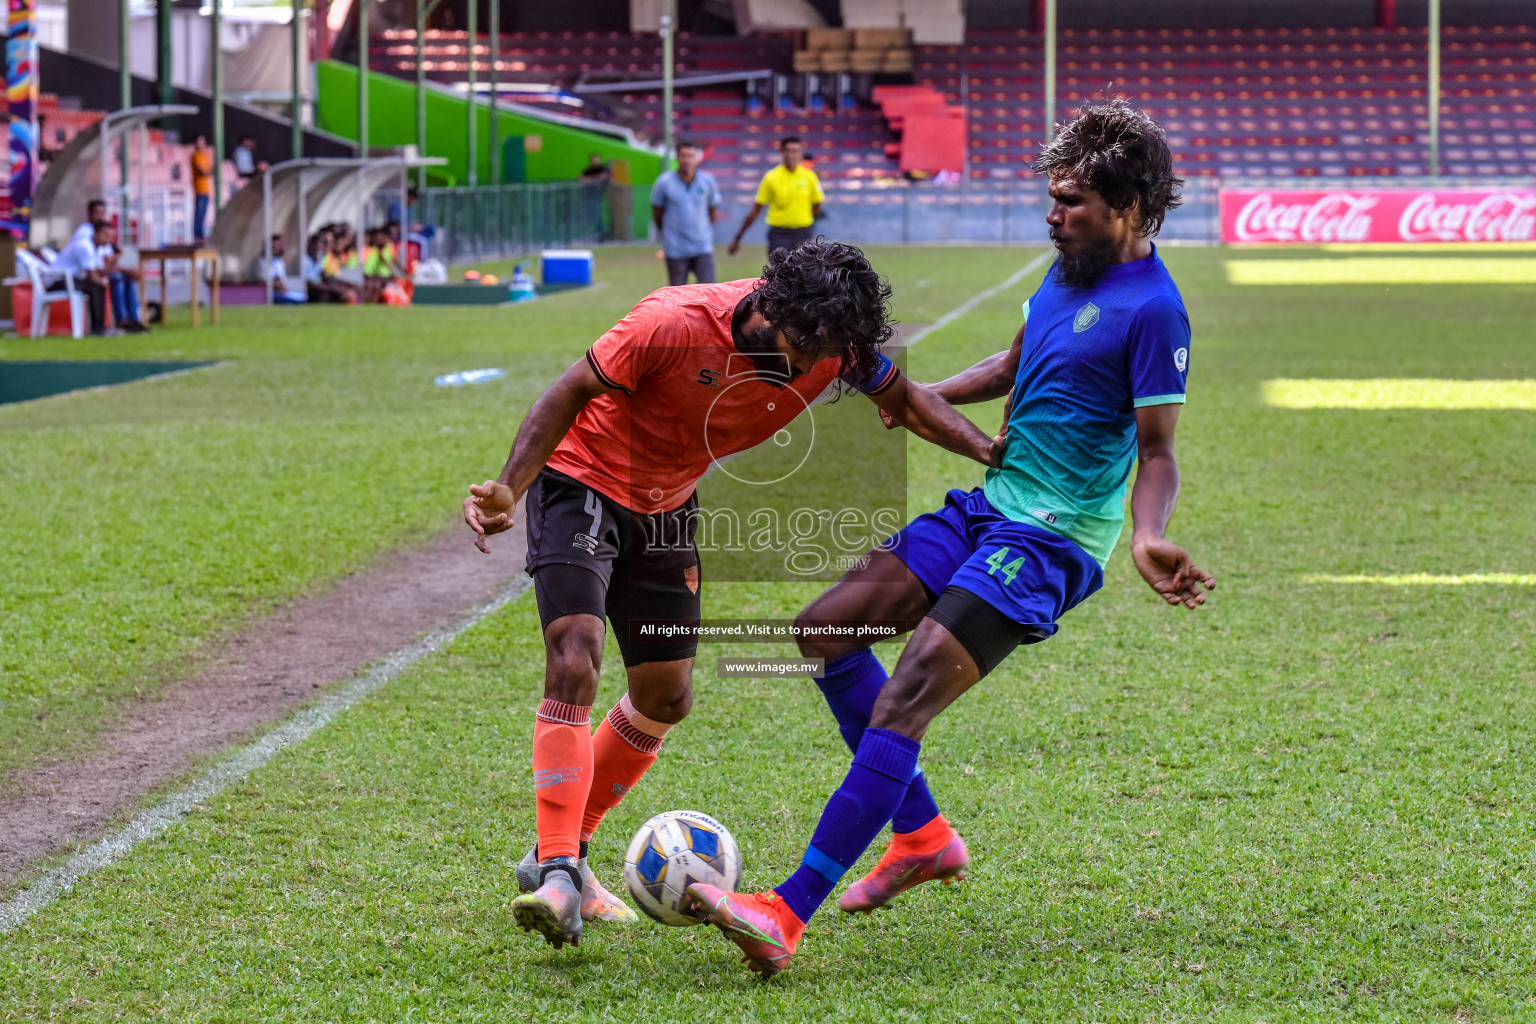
(217, 60)
(1434, 88)
(125, 89)
(668, 22)
(124, 57)
(495, 137)
(163, 52)
(266, 228)
(423, 11)
(362, 78)
(296, 111)
(469, 150)
(1050, 69)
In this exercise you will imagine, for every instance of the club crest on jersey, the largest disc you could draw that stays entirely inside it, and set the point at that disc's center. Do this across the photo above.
(1180, 359)
(1086, 318)
(691, 578)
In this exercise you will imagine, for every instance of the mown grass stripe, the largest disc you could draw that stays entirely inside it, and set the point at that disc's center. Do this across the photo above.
(1424, 579)
(1399, 393)
(105, 852)
(1384, 270)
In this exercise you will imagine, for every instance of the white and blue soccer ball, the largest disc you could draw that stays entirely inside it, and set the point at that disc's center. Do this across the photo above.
(671, 852)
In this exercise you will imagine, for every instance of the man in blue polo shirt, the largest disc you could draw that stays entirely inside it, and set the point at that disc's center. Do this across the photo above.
(1094, 381)
(684, 204)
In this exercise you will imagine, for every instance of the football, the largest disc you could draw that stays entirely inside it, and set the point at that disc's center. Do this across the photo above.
(670, 852)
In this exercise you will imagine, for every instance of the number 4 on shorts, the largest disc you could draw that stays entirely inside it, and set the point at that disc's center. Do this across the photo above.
(995, 562)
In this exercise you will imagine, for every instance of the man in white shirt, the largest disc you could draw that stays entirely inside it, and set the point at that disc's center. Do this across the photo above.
(244, 156)
(81, 259)
(95, 213)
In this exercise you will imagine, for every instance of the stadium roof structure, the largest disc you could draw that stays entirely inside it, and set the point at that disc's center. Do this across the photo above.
(289, 196)
(82, 171)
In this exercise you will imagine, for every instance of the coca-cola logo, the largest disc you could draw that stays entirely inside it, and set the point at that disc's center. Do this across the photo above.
(1491, 217)
(1332, 217)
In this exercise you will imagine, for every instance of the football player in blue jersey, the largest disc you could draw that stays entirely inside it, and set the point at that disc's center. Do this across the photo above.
(1094, 381)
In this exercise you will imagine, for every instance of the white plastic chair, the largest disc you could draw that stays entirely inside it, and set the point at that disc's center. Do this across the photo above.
(40, 276)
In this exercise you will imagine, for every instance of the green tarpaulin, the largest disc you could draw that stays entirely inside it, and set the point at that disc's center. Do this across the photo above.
(23, 381)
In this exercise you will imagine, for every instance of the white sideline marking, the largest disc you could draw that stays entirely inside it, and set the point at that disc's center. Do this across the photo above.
(105, 852)
(980, 297)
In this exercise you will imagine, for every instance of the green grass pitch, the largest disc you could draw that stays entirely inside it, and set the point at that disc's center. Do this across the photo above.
(1306, 801)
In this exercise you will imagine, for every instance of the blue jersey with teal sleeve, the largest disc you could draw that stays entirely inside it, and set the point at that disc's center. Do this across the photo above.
(1091, 357)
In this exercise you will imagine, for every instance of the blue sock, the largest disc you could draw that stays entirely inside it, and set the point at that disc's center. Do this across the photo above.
(854, 816)
(851, 685)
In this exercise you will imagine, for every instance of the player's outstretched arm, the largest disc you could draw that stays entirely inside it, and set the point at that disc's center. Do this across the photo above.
(488, 509)
(922, 411)
(1165, 566)
(991, 378)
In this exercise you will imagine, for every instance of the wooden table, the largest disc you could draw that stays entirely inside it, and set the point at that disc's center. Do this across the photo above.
(193, 254)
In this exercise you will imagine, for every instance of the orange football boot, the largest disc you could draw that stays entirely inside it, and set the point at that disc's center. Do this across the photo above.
(935, 851)
(759, 923)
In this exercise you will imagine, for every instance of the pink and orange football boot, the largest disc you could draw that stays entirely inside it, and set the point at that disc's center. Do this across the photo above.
(934, 851)
(759, 923)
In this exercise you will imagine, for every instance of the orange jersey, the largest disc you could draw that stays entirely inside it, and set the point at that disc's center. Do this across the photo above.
(202, 173)
(683, 396)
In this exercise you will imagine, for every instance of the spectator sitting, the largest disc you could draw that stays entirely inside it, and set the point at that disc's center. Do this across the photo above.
(380, 269)
(278, 273)
(81, 259)
(123, 284)
(596, 172)
(246, 163)
(343, 250)
(399, 252)
(95, 213)
(318, 282)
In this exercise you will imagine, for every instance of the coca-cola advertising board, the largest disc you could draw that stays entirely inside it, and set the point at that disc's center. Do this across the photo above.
(1317, 216)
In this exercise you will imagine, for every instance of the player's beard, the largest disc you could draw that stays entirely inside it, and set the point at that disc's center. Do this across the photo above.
(762, 347)
(1083, 268)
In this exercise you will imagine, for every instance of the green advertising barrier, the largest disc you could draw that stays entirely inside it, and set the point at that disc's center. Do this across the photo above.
(550, 151)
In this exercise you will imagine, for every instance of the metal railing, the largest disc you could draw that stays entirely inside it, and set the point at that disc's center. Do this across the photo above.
(501, 221)
(157, 216)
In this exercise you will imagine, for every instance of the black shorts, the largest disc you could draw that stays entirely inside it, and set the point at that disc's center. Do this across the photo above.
(589, 555)
(787, 238)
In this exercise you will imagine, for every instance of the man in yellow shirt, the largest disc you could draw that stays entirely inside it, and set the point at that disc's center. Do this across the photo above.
(793, 195)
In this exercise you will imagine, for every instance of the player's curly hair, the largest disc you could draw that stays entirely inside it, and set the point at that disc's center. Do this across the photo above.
(828, 286)
(1120, 153)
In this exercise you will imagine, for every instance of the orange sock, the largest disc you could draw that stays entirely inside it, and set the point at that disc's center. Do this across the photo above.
(931, 838)
(624, 747)
(562, 774)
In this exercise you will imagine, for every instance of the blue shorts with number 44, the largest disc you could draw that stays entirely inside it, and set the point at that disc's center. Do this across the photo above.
(1028, 573)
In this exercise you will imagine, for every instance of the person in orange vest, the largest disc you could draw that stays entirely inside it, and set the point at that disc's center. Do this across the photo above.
(202, 186)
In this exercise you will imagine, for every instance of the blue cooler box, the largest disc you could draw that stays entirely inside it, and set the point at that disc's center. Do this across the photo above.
(566, 266)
